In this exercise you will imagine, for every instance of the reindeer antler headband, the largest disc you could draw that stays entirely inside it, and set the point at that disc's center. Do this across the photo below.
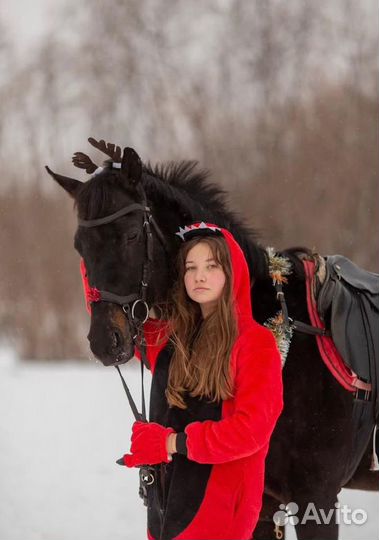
(82, 161)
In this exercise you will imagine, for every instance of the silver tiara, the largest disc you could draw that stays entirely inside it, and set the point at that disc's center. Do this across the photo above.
(183, 231)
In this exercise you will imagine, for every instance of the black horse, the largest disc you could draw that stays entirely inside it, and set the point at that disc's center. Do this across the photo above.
(312, 454)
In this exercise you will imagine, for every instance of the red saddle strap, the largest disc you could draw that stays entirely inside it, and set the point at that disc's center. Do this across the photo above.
(328, 351)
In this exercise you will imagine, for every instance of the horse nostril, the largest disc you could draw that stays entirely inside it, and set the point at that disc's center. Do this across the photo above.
(117, 339)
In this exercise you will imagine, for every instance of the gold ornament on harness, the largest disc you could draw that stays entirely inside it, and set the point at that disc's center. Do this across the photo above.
(282, 334)
(278, 266)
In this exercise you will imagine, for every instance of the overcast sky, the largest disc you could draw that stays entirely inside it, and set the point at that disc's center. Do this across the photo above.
(25, 20)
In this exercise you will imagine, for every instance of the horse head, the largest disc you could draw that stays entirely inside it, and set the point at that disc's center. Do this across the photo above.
(122, 248)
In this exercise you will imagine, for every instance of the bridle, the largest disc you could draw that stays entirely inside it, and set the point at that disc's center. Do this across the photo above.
(131, 303)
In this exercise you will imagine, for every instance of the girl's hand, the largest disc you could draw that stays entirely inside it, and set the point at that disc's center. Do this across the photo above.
(149, 444)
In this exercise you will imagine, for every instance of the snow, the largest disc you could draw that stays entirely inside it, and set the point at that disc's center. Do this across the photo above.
(62, 427)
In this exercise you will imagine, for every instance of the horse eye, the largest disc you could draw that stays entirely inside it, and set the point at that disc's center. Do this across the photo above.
(132, 235)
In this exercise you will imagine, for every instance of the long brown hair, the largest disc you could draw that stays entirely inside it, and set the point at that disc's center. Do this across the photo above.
(200, 365)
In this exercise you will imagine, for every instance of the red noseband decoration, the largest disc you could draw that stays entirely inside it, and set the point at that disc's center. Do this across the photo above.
(91, 294)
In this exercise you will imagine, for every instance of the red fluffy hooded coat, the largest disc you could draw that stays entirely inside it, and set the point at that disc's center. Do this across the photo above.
(213, 487)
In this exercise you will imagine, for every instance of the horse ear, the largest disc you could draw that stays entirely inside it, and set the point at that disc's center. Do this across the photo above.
(69, 184)
(131, 165)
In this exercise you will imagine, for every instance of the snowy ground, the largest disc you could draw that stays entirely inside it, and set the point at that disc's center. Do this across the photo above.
(62, 426)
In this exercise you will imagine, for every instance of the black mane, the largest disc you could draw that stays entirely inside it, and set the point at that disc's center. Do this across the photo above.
(184, 184)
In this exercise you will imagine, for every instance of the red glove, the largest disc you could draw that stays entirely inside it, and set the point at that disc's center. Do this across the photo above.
(148, 444)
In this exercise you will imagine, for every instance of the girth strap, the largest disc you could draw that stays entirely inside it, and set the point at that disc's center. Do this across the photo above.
(298, 326)
(305, 328)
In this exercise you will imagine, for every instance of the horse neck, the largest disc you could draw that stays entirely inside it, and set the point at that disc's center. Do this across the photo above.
(171, 216)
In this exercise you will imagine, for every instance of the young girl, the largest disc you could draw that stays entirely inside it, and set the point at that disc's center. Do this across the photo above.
(215, 398)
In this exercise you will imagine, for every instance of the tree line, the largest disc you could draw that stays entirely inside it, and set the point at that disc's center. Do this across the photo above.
(277, 100)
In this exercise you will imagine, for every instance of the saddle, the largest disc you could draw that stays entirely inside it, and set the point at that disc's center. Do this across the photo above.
(348, 302)
(343, 300)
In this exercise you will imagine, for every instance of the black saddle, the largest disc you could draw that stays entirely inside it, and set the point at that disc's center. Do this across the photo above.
(349, 300)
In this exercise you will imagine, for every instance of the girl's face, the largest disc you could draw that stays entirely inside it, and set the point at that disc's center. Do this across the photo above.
(204, 278)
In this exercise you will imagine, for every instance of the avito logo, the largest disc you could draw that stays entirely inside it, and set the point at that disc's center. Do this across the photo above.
(286, 515)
